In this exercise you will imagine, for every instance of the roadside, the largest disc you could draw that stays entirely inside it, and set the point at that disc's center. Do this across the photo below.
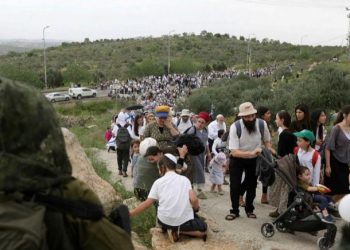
(243, 231)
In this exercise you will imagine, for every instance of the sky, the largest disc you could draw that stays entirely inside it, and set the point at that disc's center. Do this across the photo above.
(312, 22)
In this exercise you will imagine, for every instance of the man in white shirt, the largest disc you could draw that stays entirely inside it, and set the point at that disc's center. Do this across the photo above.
(245, 144)
(184, 121)
(176, 200)
(213, 129)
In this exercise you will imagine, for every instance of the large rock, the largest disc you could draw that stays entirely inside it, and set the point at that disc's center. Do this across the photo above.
(83, 170)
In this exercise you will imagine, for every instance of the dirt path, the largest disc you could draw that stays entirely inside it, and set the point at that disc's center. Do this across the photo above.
(243, 231)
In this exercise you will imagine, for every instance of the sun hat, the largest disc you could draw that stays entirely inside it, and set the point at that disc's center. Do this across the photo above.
(185, 112)
(145, 144)
(246, 108)
(306, 134)
(162, 111)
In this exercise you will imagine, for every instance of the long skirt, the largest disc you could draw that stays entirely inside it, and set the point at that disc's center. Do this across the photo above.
(338, 182)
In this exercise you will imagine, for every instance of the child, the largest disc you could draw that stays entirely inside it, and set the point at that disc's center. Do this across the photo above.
(177, 202)
(304, 176)
(110, 140)
(217, 167)
(135, 152)
(308, 156)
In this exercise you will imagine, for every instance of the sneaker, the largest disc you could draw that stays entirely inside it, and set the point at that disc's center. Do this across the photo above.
(125, 174)
(213, 191)
(120, 172)
(201, 196)
(328, 219)
(221, 192)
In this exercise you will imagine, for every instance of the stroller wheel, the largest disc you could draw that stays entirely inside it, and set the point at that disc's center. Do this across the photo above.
(280, 227)
(267, 230)
(323, 244)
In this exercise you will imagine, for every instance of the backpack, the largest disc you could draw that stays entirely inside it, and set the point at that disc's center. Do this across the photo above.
(123, 138)
(37, 222)
(194, 143)
(314, 156)
(239, 128)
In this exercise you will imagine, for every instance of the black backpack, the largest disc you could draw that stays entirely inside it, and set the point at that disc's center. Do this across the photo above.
(194, 143)
(123, 138)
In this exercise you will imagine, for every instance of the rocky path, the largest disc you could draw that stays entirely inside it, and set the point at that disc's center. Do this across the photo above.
(244, 232)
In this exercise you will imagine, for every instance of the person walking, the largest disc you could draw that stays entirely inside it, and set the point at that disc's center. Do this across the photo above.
(246, 136)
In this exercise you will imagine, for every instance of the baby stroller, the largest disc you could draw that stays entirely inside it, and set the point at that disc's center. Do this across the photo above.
(299, 215)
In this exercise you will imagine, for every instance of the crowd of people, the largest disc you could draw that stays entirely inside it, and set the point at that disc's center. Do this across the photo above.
(187, 144)
(168, 157)
(165, 90)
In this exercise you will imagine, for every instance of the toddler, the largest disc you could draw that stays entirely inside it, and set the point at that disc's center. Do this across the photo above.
(217, 168)
(304, 178)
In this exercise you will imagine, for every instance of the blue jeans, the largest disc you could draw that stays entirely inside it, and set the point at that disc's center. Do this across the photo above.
(322, 200)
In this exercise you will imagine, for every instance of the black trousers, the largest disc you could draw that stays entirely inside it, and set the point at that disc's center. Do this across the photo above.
(123, 159)
(210, 143)
(237, 166)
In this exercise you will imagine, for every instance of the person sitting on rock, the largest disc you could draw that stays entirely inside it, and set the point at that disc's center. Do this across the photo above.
(177, 202)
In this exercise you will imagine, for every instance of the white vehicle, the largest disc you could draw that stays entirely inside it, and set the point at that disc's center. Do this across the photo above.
(56, 97)
(79, 93)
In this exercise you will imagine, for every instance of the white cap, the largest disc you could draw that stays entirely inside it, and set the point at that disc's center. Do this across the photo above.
(171, 157)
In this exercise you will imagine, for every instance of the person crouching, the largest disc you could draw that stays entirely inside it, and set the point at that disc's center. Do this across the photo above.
(177, 202)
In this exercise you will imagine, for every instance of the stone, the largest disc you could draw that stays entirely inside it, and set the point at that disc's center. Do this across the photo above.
(83, 170)
(161, 241)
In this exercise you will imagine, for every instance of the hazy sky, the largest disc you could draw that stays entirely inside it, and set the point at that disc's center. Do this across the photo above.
(314, 22)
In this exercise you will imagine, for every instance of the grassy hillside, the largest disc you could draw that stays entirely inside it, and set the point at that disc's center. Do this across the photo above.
(91, 62)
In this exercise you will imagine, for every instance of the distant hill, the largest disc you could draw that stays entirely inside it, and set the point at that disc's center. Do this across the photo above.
(22, 45)
(92, 62)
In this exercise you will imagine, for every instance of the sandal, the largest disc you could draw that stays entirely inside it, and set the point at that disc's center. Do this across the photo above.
(230, 217)
(251, 215)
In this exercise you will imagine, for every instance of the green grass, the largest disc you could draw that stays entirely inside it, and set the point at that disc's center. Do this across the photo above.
(142, 223)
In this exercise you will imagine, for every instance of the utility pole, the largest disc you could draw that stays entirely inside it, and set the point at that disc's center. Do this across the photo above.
(249, 54)
(45, 76)
(169, 50)
(348, 16)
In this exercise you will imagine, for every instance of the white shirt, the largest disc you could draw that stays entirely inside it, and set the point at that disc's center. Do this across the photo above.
(305, 159)
(213, 129)
(248, 142)
(184, 125)
(172, 192)
(218, 143)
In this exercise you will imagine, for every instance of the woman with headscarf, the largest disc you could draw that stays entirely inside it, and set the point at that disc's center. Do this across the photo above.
(163, 131)
(198, 161)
